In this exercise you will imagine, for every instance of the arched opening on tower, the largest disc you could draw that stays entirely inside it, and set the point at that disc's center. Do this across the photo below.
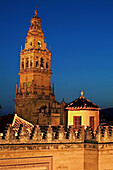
(42, 63)
(39, 44)
(36, 63)
(27, 63)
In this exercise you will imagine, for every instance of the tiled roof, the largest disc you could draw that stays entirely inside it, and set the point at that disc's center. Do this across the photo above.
(15, 121)
(82, 103)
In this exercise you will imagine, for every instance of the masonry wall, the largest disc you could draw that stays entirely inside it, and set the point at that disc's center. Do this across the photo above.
(105, 156)
(64, 156)
(58, 150)
(90, 156)
(57, 156)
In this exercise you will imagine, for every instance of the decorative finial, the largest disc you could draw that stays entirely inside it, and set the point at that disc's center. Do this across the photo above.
(81, 93)
(35, 11)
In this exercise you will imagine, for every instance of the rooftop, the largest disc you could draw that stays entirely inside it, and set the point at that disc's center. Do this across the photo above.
(82, 104)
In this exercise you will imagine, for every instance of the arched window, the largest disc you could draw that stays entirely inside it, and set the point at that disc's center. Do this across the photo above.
(31, 63)
(31, 43)
(23, 65)
(39, 44)
(36, 63)
(47, 66)
(42, 63)
(27, 63)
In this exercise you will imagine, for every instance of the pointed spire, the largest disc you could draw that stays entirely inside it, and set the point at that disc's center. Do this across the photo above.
(35, 11)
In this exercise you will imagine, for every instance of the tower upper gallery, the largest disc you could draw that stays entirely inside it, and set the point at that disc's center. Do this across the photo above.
(35, 36)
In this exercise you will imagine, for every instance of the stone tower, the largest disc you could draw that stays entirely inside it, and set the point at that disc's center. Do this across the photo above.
(35, 99)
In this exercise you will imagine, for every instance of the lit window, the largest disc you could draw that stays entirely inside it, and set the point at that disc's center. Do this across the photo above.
(39, 44)
(23, 84)
(29, 83)
(77, 122)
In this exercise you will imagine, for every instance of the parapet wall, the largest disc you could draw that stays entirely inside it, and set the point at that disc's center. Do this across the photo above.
(102, 135)
(58, 150)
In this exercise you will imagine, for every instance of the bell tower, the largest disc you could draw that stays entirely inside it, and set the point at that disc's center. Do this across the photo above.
(35, 62)
(35, 100)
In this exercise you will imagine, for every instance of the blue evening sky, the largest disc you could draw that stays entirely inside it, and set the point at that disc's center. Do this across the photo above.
(80, 33)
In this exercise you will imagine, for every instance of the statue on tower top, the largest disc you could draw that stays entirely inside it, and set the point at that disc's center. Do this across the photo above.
(35, 11)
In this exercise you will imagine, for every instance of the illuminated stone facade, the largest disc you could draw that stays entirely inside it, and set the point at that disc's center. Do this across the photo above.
(35, 99)
(58, 150)
(82, 112)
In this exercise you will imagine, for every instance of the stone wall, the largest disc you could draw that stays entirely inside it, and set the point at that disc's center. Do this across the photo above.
(58, 150)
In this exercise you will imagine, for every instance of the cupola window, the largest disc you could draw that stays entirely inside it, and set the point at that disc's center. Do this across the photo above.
(91, 122)
(77, 122)
(39, 44)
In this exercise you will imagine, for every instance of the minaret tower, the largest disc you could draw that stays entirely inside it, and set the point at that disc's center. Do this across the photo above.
(35, 75)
